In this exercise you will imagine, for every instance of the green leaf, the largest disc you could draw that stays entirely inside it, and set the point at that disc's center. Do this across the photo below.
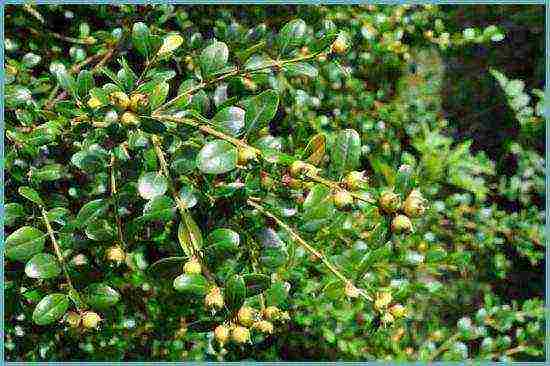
(189, 235)
(159, 208)
(292, 34)
(84, 83)
(13, 211)
(230, 120)
(141, 39)
(260, 110)
(217, 157)
(91, 160)
(101, 296)
(100, 230)
(194, 284)
(66, 81)
(235, 292)
(23, 243)
(256, 283)
(224, 240)
(188, 196)
(91, 211)
(213, 58)
(170, 43)
(301, 69)
(158, 95)
(346, 151)
(315, 149)
(167, 268)
(151, 185)
(31, 195)
(50, 308)
(43, 266)
(47, 173)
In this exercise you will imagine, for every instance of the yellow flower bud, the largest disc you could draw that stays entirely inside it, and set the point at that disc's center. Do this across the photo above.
(246, 316)
(73, 319)
(383, 299)
(415, 204)
(115, 254)
(192, 266)
(387, 318)
(246, 154)
(138, 102)
(90, 320)
(271, 312)
(398, 310)
(94, 103)
(263, 326)
(401, 223)
(355, 180)
(221, 333)
(129, 118)
(297, 168)
(214, 298)
(119, 99)
(240, 334)
(342, 198)
(340, 44)
(390, 201)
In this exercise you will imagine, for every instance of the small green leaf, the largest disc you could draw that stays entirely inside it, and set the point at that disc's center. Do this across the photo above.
(12, 212)
(151, 185)
(66, 81)
(47, 173)
(158, 95)
(346, 151)
(159, 208)
(230, 120)
(301, 69)
(50, 308)
(84, 83)
(100, 230)
(194, 284)
(256, 283)
(235, 292)
(101, 296)
(42, 266)
(315, 149)
(167, 268)
(170, 43)
(31, 195)
(141, 39)
(217, 157)
(260, 110)
(188, 196)
(189, 235)
(23, 243)
(91, 211)
(292, 34)
(213, 58)
(224, 240)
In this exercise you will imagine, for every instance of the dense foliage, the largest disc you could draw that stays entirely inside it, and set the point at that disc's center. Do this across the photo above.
(273, 183)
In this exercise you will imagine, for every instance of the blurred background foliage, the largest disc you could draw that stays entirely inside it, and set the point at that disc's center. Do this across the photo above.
(452, 91)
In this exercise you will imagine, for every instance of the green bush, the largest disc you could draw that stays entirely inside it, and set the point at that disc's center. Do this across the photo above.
(267, 183)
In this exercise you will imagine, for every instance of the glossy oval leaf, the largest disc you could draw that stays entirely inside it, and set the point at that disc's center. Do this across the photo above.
(217, 157)
(31, 195)
(43, 265)
(167, 268)
(141, 39)
(23, 243)
(50, 308)
(213, 58)
(235, 292)
(224, 240)
(256, 283)
(189, 235)
(230, 120)
(151, 185)
(346, 151)
(194, 284)
(101, 296)
(91, 211)
(260, 110)
(292, 34)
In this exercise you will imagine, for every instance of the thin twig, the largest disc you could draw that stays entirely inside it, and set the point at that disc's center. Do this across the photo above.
(114, 193)
(305, 245)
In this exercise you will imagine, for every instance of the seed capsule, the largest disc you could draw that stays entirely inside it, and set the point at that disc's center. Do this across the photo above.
(263, 326)
(90, 320)
(111, 117)
(340, 44)
(398, 310)
(297, 167)
(192, 266)
(246, 316)
(415, 204)
(342, 198)
(214, 298)
(390, 202)
(400, 224)
(115, 254)
(221, 333)
(240, 334)
(351, 290)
